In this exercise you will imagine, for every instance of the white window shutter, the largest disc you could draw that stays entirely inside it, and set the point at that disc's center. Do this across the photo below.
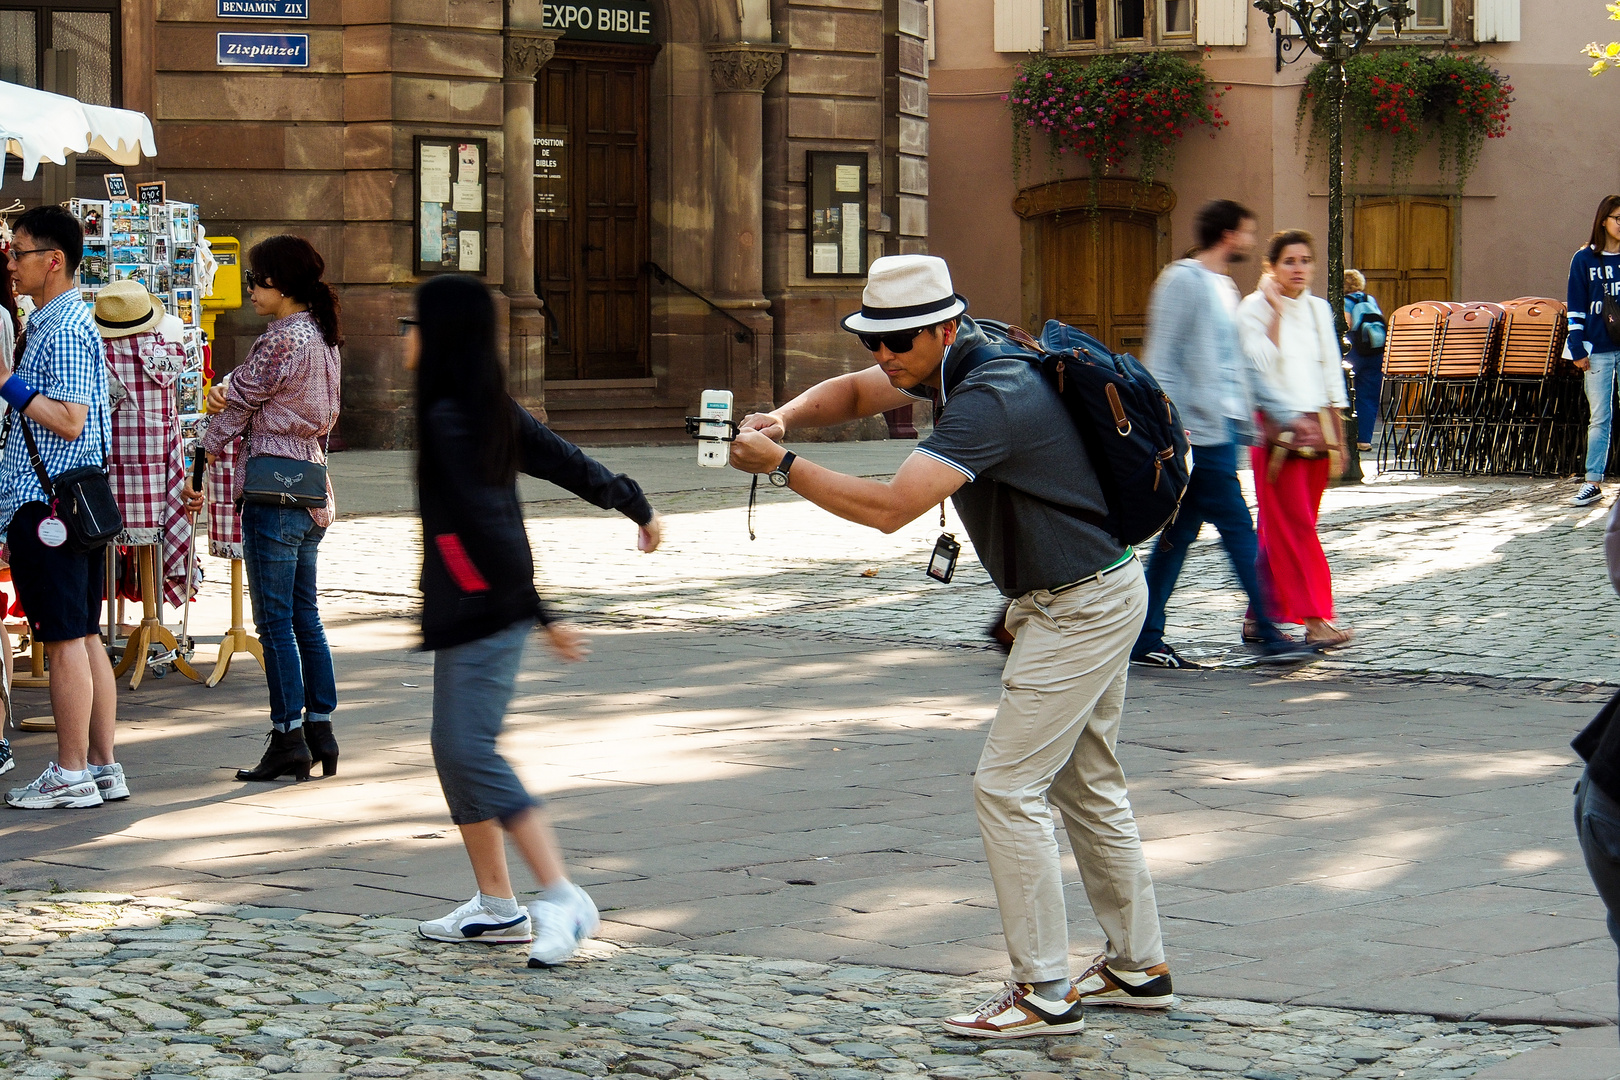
(1223, 22)
(1496, 20)
(1020, 25)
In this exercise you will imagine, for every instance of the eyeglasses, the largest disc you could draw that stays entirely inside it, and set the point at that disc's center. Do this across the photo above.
(253, 281)
(405, 325)
(900, 341)
(15, 254)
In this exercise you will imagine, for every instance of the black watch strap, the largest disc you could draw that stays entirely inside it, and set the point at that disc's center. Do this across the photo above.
(782, 468)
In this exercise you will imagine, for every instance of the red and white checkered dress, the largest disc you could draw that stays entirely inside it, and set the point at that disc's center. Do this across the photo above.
(224, 519)
(146, 467)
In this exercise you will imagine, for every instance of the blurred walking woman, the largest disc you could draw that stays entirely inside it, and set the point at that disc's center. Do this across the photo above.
(284, 399)
(1289, 335)
(479, 606)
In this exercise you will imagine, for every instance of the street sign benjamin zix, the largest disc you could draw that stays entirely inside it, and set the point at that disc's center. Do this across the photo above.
(263, 9)
(625, 21)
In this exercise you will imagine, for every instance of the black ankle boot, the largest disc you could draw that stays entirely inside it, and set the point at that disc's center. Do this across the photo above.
(285, 752)
(322, 745)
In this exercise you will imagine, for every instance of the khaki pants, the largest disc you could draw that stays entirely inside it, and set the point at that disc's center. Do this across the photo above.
(1052, 745)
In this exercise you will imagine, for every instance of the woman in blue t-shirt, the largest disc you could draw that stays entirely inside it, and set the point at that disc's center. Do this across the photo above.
(1594, 273)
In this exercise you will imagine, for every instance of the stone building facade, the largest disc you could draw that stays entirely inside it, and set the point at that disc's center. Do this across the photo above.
(665, 250)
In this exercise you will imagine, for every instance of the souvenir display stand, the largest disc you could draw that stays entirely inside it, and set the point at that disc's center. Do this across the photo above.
(151, 632)
(225, 542)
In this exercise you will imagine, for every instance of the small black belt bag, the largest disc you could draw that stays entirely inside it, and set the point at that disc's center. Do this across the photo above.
(284, 481)
(82, 498)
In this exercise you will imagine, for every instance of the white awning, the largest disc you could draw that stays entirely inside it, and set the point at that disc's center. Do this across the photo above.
(39, 127)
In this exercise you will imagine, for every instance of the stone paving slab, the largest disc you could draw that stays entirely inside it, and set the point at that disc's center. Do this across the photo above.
(124, 988)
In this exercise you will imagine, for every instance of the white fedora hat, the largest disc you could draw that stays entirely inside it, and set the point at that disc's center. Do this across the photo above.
(905, 291)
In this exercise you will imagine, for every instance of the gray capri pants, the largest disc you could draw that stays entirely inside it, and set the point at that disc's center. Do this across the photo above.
(472, 686)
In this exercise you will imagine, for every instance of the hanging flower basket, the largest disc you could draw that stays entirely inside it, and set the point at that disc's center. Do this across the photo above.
(1406, 99)
(1111, 109)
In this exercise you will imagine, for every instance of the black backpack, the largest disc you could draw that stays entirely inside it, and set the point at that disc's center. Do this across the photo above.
(1128, 424)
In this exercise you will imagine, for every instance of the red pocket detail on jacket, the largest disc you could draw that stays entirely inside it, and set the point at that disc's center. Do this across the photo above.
(461, 568)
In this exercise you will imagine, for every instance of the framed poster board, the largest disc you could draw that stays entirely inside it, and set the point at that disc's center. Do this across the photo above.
(835, 214)
(452, 200)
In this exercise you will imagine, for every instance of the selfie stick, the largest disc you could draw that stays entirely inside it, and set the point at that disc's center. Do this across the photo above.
(713, 429)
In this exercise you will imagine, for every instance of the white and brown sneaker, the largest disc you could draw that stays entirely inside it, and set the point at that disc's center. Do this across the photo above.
(1104, 985)
(1017, 1012)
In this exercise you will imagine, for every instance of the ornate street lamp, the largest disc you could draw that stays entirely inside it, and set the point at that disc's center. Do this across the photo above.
(1336, 30)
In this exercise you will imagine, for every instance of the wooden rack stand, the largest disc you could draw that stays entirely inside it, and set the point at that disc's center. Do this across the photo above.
(236, 639)
(151, 629)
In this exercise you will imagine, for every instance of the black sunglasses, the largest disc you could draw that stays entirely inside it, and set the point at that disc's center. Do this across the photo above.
(405, 325)
(252, 281)
(898, 342)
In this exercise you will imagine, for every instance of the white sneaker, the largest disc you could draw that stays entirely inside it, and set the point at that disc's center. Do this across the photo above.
(1587, 495)
(54, 789)
(474, 922)
(559, 926)
(7, 762)
(110, 781)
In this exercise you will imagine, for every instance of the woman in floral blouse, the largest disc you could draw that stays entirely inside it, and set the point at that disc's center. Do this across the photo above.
(284, 400)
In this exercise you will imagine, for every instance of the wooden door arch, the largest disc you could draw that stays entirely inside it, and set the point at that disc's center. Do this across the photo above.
(1092, 262)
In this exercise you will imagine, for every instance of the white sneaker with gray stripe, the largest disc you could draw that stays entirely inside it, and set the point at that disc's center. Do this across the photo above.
(472, 921)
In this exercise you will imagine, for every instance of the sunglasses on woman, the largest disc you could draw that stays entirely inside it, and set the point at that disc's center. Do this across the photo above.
(898, 342)
(253, 281)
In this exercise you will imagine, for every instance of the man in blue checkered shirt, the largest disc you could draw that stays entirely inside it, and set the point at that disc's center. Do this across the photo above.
(60, 389)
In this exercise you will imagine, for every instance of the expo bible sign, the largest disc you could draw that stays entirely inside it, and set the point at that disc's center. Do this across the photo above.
(629, 21)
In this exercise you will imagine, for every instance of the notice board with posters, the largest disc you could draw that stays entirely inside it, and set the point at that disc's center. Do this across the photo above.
(452, 202)
(836, 214)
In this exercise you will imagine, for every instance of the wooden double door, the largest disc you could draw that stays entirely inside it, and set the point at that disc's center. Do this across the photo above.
(1403, 245)
(592, 212)
(1098, 273)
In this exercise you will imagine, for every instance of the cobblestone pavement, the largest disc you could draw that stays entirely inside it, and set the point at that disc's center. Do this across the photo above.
(117, 988)
(1493, 577)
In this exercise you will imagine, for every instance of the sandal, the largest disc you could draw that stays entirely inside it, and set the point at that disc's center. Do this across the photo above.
(1251, 632)
(1335, 640)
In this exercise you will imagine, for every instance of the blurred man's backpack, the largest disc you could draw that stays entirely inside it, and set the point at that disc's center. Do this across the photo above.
(1130, 427)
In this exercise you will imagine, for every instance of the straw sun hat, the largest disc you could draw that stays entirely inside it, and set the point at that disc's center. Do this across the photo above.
(124, 308)
(905, 291)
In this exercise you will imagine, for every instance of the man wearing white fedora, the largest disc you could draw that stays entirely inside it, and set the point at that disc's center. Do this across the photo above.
(1006, 452)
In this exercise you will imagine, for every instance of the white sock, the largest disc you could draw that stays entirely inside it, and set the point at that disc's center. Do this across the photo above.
(97, 770)
(74, 775)
(560, 893)
(502, 907)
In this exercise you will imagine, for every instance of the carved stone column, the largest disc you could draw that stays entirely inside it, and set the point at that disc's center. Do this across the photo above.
(741, 71)
(527, 51)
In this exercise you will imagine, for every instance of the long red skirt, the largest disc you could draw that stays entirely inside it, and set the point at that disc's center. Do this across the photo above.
(1293, 569)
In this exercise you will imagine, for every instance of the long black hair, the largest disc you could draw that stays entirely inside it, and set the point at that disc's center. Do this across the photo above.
(292, 265)
(1600, 235)
(459, 362)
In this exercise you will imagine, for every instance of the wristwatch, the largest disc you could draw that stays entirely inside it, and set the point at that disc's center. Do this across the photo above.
(779, 475)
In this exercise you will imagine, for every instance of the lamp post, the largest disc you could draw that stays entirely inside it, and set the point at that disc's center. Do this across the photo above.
(1336, 30)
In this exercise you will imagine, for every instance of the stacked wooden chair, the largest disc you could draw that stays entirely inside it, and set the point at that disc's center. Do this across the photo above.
(1480, 388)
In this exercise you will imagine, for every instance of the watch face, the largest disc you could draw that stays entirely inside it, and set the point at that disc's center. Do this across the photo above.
(779, 479)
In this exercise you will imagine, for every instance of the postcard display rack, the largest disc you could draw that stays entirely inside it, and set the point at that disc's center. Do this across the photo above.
(154, 243)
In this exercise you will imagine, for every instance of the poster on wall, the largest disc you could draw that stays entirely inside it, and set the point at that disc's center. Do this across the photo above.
(452, 202)
(835, 214)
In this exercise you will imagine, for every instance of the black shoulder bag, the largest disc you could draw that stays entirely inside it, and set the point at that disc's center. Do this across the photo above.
(82, 499)
(285, 481)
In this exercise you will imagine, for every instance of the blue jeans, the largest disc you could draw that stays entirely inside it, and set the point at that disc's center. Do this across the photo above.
(1597, 823)
(1212, 495)
(1600, 404)
(1369, 384)
(472, 686)
(278, 550)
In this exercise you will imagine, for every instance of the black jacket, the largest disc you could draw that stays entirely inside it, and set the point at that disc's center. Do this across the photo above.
(477, 570)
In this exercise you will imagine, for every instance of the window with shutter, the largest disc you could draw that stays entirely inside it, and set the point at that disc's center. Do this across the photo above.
(1020, 25)
(1223, 22)
(1496, 20)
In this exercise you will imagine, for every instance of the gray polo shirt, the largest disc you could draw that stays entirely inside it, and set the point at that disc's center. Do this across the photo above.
(1007, 431)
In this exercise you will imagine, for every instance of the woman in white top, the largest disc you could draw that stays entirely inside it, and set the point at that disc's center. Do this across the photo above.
(1289, 335)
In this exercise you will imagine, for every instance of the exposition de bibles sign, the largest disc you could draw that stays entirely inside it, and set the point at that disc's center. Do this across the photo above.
(625, 21)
